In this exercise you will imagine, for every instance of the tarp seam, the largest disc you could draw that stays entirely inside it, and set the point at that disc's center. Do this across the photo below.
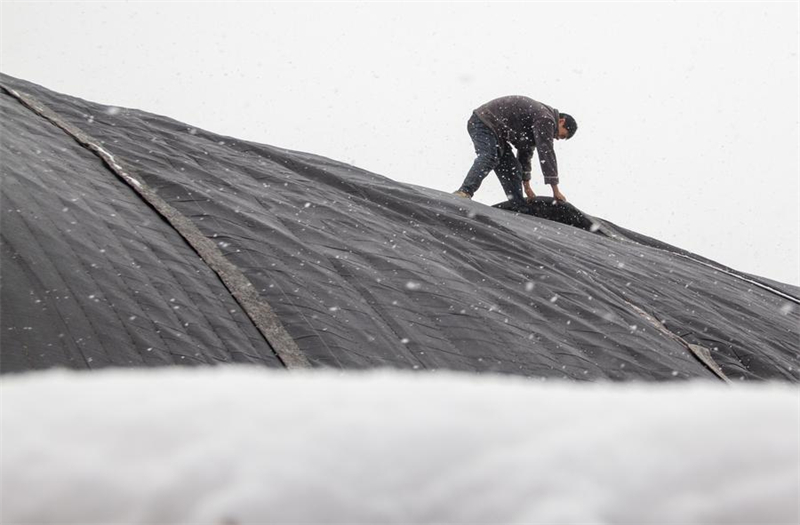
(240, 287)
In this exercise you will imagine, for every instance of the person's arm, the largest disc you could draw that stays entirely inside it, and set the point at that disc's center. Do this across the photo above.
(524, 156)
(544, 133)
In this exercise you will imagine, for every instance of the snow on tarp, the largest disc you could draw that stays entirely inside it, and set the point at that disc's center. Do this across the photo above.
(246, 445)
(362, 271)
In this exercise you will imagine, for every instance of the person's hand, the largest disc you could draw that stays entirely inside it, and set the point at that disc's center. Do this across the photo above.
(529, 193)
(526, 185)
(557, 195)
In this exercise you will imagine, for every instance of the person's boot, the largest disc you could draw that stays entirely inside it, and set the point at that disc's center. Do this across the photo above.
(459, 193)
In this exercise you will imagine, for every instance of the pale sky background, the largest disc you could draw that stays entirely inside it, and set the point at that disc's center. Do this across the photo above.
(688, 112)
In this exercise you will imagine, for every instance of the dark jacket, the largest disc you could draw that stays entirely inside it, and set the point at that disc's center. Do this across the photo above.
(528, 125)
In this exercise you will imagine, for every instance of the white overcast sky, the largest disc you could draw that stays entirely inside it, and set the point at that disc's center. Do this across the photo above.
(688, 112)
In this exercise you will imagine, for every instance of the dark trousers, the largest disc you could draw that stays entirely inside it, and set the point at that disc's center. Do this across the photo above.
(492, 154)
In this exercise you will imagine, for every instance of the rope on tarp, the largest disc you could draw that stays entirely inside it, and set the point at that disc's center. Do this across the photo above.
(702, 353)
(741, 277)
(681, 253)
(257, 309)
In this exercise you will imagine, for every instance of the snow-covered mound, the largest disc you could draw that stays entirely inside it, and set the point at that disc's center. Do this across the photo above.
(247, 445)
(130, 239)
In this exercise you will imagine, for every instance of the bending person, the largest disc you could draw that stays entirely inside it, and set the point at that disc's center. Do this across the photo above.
(527, 125)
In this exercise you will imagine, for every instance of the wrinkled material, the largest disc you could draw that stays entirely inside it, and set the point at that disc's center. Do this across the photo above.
(362, 271)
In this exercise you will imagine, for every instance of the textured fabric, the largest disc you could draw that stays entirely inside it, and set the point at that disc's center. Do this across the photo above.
(364, 272)
(527, 125)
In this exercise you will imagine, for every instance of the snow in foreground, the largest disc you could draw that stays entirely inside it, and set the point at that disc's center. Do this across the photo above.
(240, 445)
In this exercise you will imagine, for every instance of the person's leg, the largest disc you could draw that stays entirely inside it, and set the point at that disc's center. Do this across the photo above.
(509, 171)
(487, 150)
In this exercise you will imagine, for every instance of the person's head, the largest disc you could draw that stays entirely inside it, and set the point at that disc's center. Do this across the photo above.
(566, 126)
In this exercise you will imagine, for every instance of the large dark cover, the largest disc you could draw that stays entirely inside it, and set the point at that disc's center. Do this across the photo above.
(362, 271)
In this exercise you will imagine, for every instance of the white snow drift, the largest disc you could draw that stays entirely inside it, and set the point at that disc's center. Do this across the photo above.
(246, 445)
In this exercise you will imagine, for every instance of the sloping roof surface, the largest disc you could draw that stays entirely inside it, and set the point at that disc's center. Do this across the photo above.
(360, 271)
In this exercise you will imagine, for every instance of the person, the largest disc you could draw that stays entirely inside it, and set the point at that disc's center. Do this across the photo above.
(527, 125)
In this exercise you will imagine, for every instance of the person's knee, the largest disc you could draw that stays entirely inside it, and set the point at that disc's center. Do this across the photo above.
(488, 159)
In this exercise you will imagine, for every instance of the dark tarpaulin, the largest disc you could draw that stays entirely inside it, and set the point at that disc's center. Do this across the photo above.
(361, 270)
(91, 277)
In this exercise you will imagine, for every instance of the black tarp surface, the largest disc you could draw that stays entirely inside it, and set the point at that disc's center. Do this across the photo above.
(361, 270)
